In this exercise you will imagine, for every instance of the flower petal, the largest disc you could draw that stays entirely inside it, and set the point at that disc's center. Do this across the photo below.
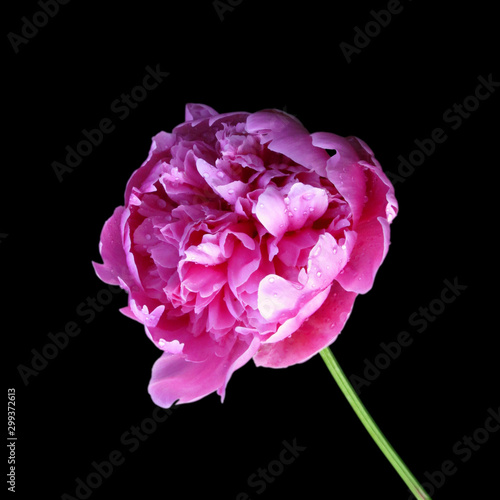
(318, 332)
(368, 254)
(114, 265)
(176, 379)
(286, 135)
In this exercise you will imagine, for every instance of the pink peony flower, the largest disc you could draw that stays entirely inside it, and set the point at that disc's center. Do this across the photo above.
(242, 237)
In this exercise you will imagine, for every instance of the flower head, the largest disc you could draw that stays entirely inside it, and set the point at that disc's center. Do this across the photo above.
(244, 236)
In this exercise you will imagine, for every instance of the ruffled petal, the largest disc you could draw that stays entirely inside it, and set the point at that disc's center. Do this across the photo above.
(371, 247)
(115, 266)
(318, 332)
(176, 379)
(285, 134)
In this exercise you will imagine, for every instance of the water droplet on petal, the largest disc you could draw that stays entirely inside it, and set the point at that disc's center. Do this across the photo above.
(317, 251)
(275, 294)
(162, 203)
(148, 236)
(205, 174)
(334, 250)
(332, 325)
(231, 191)
(287, 200)
(271, 280)
(318, 274)
(162, 343)
(220, 174)
(261, 205)
(311, 209)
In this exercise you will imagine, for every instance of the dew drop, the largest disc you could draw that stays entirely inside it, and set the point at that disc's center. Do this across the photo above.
(231, 191)
(261, 205)
(162, 203)
(317, 251)
(205, 174)
(318, 274)
(332, 325)
(220, 174)
(148, 236)
(311, 209)
(275, 294)
(307, 196)
(271, 280)
(290, 214)
(334, 250)
(162, 343)
(287, 200)
(343, 246)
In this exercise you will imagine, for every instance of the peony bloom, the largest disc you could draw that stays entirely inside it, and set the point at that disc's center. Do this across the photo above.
(244, 236)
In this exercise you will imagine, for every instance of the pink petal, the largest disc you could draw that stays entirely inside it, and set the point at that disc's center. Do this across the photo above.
(115, 265)
(347, 175)
(288, 137)
(319, 331)
(371, 247)
(195, 111)
(160, 147)
(271, 211)
(176, 379)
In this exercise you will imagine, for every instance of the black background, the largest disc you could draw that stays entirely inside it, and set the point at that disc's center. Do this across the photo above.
(262, 54)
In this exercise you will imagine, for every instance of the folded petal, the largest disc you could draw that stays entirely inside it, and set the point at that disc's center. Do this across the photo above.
(285, 134)
(176, 379)
(371, 247)
(319, 331)
(115, 266)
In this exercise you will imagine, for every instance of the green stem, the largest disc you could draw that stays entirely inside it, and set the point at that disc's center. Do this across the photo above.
(371, 426)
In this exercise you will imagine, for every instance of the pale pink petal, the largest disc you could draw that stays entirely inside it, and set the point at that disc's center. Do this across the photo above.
(318, 332)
